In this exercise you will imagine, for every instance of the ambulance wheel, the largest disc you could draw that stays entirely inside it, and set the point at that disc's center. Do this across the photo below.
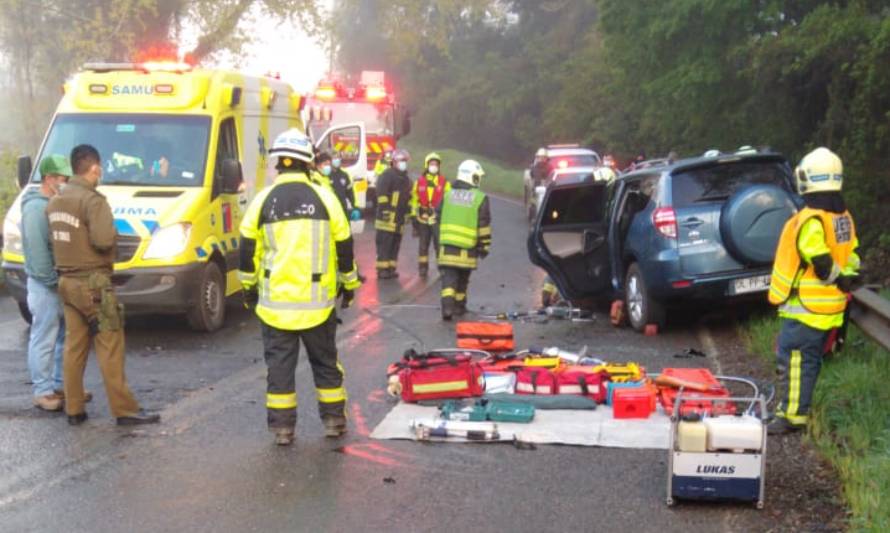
(209, 311)
(25, 312)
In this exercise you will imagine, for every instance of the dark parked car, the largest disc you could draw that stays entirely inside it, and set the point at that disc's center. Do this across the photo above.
(703, 228)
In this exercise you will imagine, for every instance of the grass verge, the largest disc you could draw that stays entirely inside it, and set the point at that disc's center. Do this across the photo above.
(499, 178)
(850, 420)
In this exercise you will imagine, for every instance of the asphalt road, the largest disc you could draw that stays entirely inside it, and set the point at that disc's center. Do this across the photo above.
(211, 464)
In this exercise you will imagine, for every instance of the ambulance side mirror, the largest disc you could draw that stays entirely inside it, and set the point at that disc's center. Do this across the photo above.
(232, 178)
(25, 167)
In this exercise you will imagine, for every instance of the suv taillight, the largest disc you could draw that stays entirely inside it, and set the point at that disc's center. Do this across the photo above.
(665, 220)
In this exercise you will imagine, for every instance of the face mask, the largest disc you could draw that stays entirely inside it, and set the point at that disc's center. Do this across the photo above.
(336, 162)
(402, 165)
(434, 169)
(326, 170)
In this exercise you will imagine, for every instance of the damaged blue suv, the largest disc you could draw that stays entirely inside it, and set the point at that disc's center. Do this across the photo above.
(704, 229)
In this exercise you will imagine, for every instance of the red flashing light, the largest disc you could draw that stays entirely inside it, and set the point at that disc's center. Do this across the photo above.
(681, 284)
(375, 93)
(665, 221)
(164, 88)
(563, 164)
(95, 88)
(326, 93)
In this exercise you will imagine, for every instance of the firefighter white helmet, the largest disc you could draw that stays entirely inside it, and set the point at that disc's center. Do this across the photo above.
(294, 144)
(542, 153)
(820, 171)
(606, 174)
(470, 172)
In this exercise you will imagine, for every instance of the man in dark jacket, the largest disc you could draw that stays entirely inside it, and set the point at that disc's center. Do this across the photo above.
(393, 204)
(47, 339)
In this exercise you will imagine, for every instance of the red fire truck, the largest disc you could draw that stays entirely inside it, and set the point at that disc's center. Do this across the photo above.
(361, 120)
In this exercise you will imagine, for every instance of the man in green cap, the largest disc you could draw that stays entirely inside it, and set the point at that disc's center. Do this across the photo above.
(47, 339)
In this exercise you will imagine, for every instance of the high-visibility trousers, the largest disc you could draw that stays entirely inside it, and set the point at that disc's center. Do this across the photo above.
(281, 349)
(388, 244)
(455, 282)
(799, 352)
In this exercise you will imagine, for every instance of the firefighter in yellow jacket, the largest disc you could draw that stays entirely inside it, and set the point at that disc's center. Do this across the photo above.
(426, 207)
(464, 236)
(295, 257)
(816, 265)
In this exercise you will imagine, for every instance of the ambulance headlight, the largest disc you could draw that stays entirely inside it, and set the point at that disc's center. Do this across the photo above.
(12, 237)
(168, 242)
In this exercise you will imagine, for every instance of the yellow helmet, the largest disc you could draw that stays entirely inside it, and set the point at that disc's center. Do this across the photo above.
(430, 157)
(820, 171)
(606, 174)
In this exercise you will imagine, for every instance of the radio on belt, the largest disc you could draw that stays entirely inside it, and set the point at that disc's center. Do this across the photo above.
(719, 457)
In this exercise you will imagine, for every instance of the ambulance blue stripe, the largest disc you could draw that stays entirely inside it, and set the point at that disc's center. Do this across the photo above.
(150, 225)
(123, 227)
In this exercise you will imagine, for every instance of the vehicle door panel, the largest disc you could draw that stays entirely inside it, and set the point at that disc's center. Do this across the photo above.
(570, 237)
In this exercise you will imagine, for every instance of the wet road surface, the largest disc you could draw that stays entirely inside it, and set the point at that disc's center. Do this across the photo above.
(211, 465)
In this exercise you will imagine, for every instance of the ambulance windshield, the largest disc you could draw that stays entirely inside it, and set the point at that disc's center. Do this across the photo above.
(137, 149)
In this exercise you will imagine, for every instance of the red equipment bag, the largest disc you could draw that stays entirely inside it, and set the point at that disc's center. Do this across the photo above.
(536, 380)
(439, 376)
(488, 336)
(590, 384)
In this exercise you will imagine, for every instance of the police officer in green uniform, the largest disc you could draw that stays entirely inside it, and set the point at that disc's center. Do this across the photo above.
(464, 236)
(83, 236)
(295, 257)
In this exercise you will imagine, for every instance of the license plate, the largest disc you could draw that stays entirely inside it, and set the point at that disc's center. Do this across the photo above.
(753, 284)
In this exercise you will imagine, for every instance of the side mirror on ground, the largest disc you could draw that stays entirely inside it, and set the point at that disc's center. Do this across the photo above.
(25, 167)
(231, 176)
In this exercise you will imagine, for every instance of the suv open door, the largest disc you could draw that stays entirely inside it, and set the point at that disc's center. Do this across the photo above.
(570, 237)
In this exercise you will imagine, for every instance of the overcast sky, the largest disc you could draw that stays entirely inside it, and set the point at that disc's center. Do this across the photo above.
(278, 48)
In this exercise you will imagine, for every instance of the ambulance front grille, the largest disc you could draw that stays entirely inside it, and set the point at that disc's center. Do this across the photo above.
(126, 248)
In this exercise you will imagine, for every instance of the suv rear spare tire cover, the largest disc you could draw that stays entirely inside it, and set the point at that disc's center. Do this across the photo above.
(752, 220)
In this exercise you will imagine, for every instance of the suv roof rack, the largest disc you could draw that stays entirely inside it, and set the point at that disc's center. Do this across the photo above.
(571, 145)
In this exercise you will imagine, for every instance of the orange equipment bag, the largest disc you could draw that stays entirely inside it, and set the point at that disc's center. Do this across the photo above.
(488, 336)
(536, 380)
(703, 393)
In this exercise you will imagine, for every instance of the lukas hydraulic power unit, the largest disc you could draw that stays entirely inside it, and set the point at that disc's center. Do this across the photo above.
(717, 457)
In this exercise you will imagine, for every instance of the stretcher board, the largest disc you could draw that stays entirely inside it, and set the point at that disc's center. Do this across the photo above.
(579, 428)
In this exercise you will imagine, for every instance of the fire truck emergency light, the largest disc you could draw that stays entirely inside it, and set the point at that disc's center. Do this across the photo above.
(325, 93)
(375, 93)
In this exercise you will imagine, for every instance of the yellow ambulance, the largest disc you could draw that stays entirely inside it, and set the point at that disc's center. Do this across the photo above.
(183, 150)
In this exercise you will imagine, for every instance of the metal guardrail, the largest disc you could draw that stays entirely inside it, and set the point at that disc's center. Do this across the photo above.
(871, 312)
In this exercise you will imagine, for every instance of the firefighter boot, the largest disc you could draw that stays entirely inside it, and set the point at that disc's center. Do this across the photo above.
(781, 426)
(334, 426)
(284, 436)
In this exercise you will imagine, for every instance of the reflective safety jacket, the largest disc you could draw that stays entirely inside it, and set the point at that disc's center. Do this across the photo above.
(465, 229)
(380, 167)
(296, 247)
(795, 285)
(393, 200)
(426, 197)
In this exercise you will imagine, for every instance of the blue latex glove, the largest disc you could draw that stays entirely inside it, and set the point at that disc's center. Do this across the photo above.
(355, 214)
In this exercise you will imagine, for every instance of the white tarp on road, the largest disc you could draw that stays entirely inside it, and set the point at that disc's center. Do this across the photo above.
(581, 428)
